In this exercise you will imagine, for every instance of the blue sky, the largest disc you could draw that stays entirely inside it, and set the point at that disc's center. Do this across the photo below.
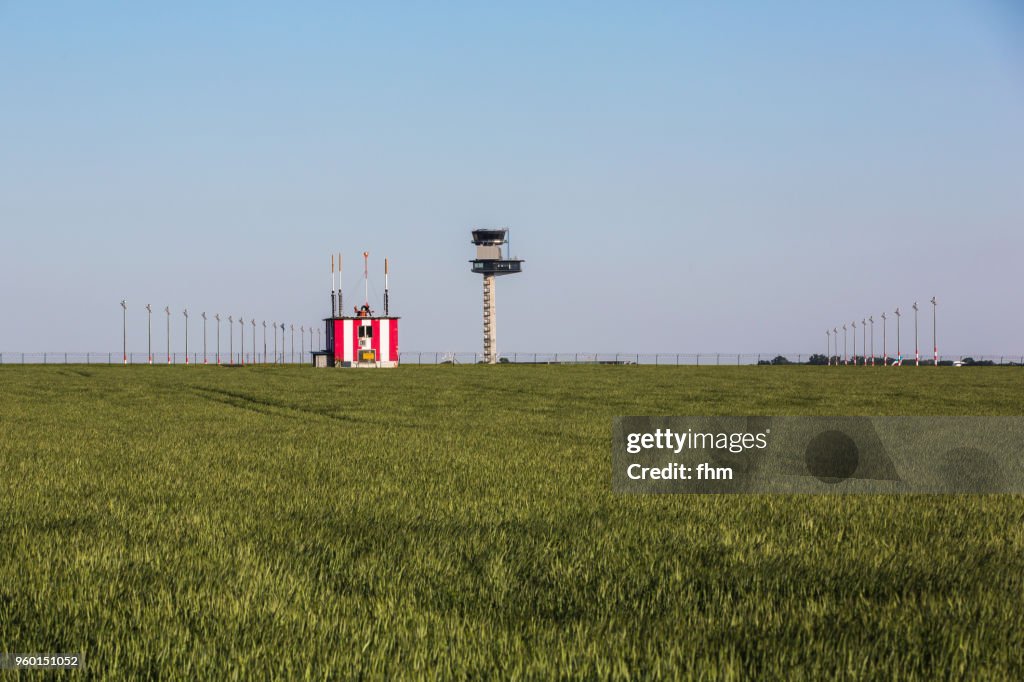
(680, 177)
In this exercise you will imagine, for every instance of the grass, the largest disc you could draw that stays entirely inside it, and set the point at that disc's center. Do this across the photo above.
(457, 522)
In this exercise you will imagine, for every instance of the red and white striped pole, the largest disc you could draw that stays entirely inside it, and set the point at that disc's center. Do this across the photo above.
(885, 353)
(864, 332)
(917, 346)
(854, 326)
(186, 335)
(124, 329)
(167, 309)
(872, 321)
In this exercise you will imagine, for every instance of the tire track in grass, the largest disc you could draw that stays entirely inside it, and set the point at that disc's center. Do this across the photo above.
(266, 407)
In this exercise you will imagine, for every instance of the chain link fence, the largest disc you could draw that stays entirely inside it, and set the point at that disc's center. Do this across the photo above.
(696, 359)
(305, 357)
(83, 358)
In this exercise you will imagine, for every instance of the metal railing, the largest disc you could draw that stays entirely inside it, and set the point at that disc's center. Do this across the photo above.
(305, 357)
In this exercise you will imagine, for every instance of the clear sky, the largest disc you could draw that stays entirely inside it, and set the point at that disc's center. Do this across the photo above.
(679, 176)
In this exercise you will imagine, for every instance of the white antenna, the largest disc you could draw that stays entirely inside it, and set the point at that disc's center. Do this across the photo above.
(366, 277)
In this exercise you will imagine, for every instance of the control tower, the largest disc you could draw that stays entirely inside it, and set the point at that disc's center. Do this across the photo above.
(490, 263)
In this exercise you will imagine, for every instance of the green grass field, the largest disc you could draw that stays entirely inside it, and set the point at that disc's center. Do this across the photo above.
(457, 522)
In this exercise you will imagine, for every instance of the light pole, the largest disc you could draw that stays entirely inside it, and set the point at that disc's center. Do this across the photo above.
(167, 309)
(935, 343)
(885, 354)
(899, 353)
(319, 344)
(149, 332)
(846, 358)
(204, 337)
(864, 333)
(185, 312)
(283, 348)
(241, 338)
(917, 348)
(231, 340)
(872, 321)
(835, 337)
(252, 321)
(828, 347)
(273, 326)
(853, 325)
(217, 317)
(124, 330)
(293, 343)
(302, 340)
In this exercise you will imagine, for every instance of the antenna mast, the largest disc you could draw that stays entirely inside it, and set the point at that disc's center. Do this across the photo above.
(385, 287)
(366, 277)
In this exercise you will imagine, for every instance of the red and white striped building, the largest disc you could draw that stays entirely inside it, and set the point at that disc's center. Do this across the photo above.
(367, 341)
(362, 339)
